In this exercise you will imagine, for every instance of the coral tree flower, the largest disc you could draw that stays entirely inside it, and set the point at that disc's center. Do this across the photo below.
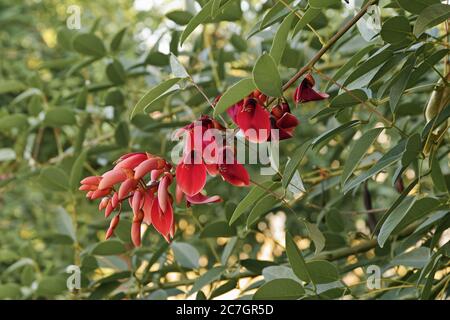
(197, 163)
(150, 202)
(305, 92)
(252, 117)
(283, 120)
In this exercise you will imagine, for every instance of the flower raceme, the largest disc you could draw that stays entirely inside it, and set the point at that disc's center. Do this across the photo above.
(150, 202)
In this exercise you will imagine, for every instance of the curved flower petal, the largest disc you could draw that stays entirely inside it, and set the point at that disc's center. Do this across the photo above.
(162, 221)
(305, 91)
(131, 161)
(147, 207)
(112, 177)
(200, 198)
(145, 167)
(234, 173)
(191, 177)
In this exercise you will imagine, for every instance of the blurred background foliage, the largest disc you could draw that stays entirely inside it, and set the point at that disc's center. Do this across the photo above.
(65, 102)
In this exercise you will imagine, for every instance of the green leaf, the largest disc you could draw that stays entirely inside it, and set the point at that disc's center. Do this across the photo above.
(394, 219)
(215, 8)
(321, 271)
(266, 76)
(416, 258)
(89, 44)
(280, 39)
(180, 17)
(419, 210)
(117, 39)
(315, 235)
(153, 94)
(372, 63)
(294, 162)
(238, 43)
(319, 4)
(278, 272)
(395, 29)
(430, 17)
(122, 134)
(386, 160)
(280, 289)
(10, 291)
(17, 120)
(178, 70)
(349, 64)
(321, 140)
(198, 19)
(412, 149)
(52, 285)
(54, 178)
(437, 176)
(358, 151)
(228, 250)
(234, 94)
(186, 255)
(210, 276)
(64, 223)
(217, 229)
(7, 86)
(58, 117)
(349, 99)
(296, 259)
(400, 83)
(108, 248)
(416, 6)
(77, 171)
(226, 287)
(308, 17)
(115, 72)
(263, 206)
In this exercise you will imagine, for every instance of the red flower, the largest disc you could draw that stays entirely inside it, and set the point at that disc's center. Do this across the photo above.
(191, 173)
(284, 121)
(305, 91)
(251, 116)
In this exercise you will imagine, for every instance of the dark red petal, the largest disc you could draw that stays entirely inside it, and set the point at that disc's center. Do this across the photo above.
(254, 120)
(235, 173)
(212, 169)
(305, 92)
(233, 111)
(191, 177)
(288, 120)
(200, 198)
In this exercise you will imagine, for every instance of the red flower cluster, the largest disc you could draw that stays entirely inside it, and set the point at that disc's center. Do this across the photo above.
(252, 117)
(305, 92)
(196, 162)
(151, 202)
